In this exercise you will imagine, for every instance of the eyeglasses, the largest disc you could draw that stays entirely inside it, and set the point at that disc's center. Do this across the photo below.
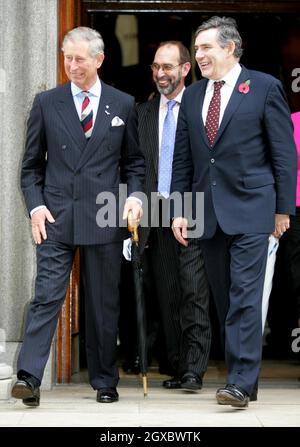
(167, 68)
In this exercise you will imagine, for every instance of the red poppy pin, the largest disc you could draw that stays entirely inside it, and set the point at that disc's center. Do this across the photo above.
(244, 87)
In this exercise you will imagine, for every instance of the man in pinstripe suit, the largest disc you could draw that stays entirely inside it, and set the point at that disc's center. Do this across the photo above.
(81, 138)
(180, 280)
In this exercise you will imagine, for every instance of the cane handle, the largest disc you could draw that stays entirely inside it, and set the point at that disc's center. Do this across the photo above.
(133, 227)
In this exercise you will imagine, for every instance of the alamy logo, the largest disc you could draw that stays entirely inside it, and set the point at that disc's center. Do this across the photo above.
(296, 82)
(188, 205)
(296, 342)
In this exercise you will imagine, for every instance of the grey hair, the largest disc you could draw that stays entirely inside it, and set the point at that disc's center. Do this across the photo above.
(227, 31)
(82, 33)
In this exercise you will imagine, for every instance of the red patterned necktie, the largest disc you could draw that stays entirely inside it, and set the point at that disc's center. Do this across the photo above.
(86, 118)
(213, 114)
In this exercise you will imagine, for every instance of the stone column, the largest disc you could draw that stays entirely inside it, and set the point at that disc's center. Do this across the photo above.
(28, 64)
(5, 371)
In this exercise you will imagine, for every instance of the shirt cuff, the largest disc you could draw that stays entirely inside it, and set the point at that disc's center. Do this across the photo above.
(136, 199)
(37, 208)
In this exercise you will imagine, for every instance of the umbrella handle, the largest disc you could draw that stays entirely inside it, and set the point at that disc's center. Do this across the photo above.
(145, 385)
(133, 227)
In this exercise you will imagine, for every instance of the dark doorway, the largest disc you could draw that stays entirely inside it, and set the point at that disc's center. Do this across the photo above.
(271, 44)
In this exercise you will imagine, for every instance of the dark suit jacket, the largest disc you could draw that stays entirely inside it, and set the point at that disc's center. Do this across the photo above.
(65, 173)
(148, 117)
(250, 172)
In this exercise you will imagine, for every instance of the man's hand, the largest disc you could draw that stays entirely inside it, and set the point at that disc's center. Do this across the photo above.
(179, 227)
(38, 224)
(282, 223)
(136, 209)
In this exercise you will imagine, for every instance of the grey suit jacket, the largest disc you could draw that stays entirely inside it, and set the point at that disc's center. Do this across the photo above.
(66, 173)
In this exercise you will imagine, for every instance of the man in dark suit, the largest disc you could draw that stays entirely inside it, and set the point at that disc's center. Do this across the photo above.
(81, 138)
(235, 143)
(180, 281)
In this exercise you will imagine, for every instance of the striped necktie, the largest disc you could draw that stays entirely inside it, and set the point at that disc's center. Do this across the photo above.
(86, 117)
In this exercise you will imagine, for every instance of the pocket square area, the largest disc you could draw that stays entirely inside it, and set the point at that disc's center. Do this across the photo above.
(117, 121)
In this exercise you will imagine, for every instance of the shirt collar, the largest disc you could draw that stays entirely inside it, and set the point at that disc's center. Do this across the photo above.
(95, 90)
(164, 99)
(230, 78)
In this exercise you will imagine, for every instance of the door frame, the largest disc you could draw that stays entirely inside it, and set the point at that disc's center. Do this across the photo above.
(69, 13)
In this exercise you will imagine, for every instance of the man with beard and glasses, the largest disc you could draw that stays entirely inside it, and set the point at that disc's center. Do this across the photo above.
(180, 282)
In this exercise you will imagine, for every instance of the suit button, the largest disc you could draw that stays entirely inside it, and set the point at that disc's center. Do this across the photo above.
(214, 183)
(64, 146)
(212, 160)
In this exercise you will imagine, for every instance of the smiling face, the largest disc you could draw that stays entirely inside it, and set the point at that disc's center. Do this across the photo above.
(213, 60)
(169, 81)
(80, 67)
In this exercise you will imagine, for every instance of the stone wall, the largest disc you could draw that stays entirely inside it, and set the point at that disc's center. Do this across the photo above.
(28, 64)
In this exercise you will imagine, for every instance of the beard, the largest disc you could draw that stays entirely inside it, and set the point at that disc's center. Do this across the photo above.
(171, 87)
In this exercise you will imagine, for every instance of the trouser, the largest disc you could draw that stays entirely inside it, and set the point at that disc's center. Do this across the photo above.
(236, 269)
(100, 267)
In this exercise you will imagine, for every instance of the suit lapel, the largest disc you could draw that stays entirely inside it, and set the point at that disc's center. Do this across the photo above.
(235, 99)
(199, 103)
(68, 114)
(152, 120)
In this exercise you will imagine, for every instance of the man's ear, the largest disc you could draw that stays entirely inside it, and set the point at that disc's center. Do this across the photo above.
(230, 47)
(100, 59)
(186, 68)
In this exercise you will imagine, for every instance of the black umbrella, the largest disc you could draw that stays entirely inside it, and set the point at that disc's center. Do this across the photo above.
(139, 298)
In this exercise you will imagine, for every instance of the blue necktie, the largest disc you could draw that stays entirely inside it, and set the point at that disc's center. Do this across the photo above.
(167, 151)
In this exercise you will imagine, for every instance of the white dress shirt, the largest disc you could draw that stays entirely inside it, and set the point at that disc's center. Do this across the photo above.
(230, 80)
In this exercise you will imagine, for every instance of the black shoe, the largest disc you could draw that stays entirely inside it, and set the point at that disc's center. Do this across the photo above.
(232, 395)
(172, 384)
(27, 390)
(191, 381)
(107, 395)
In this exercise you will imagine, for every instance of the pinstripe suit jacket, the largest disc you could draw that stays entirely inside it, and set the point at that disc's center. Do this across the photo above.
(179, 273)
(148, 117)
(66, 173)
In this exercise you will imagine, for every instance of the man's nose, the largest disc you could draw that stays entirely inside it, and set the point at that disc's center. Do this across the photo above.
(73, 64)
(199, 54)
(161, 71)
